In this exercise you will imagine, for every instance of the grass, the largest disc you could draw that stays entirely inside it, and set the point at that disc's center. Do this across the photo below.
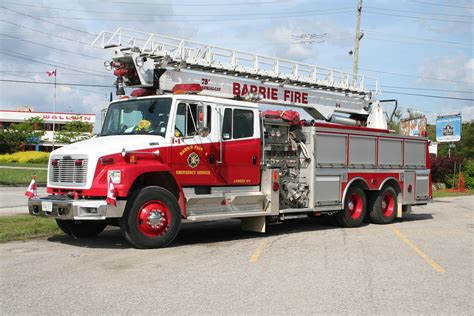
(21, 176)
(24, 227)
(448, 193)
(30, 165)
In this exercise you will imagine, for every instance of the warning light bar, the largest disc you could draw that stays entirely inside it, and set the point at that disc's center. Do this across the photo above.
(186, 88)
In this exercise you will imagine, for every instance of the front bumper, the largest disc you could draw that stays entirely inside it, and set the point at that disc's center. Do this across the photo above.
(59, 207)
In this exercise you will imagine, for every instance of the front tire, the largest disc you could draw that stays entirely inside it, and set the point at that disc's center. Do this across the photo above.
(384, 206)
(152, 219)
(355, 207)
(81, 229)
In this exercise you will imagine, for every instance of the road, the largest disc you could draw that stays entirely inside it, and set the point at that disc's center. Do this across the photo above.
(13, 200)
(421, 264)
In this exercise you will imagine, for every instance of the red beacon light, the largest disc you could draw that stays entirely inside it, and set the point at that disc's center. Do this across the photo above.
(187, 88)
(141, 92)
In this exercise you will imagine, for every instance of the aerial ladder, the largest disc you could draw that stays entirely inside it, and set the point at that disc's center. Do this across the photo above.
(158, 62)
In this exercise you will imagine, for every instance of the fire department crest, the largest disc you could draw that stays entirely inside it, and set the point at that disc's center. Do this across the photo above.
(193, 160)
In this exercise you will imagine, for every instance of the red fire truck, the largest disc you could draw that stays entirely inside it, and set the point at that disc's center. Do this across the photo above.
(213, 133)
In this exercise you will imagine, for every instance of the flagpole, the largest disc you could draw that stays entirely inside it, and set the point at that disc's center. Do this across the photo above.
(54, 107)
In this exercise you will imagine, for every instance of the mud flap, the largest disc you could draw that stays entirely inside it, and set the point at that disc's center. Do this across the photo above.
(254, 224)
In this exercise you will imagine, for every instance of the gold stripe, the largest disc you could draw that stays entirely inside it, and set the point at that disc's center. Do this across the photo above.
(258, 251)
(417, 250)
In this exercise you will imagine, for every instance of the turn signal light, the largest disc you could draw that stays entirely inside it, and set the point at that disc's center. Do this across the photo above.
(107, 160)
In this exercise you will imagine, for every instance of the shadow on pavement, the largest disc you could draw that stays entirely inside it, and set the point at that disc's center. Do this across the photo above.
(414, 217)
(215, 232)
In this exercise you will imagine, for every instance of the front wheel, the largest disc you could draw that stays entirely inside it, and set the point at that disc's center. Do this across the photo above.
(152, 219)
(81, 229)
(355, 206)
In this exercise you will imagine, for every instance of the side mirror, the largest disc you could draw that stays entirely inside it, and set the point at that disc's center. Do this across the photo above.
(202, 123)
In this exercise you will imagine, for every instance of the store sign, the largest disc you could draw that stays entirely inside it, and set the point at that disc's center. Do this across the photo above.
(448, 128)
(68, 118)
(413, 127)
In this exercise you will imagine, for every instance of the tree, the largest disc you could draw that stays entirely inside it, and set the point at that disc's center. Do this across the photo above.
(74, 131)
(27, 132)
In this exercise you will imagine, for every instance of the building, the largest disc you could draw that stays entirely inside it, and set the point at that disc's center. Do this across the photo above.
(8, 117)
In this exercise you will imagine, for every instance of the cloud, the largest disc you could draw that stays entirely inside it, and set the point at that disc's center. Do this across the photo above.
(286, 44)
(452, 68)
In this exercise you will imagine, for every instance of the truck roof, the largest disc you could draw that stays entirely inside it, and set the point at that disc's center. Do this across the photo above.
(195, 97)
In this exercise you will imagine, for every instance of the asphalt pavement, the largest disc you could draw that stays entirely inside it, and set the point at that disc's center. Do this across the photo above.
(421, 264)
(13, 200)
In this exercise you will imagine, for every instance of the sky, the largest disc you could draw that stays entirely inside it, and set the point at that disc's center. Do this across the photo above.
(413, 47)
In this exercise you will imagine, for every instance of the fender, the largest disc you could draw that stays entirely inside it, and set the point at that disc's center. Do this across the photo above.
(348, 184)
(138, 170)
(400, 187)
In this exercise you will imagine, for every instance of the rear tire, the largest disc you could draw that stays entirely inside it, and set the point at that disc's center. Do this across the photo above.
(355, 207)
(384, 206)
(152, 219)
(81, 229)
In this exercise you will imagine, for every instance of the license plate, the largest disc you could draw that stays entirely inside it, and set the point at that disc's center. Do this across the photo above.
(47, 206)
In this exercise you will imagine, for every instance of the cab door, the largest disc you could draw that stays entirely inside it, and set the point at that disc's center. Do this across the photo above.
(194, 145)
(241, 150)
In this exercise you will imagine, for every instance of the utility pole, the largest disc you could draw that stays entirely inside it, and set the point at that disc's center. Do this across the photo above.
(358, 37)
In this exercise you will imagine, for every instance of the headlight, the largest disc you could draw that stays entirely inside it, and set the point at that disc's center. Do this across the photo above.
(115, 176)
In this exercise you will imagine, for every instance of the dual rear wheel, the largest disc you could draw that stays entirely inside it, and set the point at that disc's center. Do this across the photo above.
(381, 207)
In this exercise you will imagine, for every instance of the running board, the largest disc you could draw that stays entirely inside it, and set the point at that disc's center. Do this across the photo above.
(226, 204)
(228, 215)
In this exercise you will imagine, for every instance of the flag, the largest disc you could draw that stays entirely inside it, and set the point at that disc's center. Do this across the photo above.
(31, 191)
(111, 194)
(51, 73)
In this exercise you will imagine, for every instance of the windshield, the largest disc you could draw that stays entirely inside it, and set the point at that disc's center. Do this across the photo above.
(148, 116)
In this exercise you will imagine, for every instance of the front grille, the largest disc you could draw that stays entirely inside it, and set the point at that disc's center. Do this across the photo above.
(68, 170)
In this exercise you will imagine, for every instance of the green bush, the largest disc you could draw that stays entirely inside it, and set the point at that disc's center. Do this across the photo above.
(468, 170)
(25, 157)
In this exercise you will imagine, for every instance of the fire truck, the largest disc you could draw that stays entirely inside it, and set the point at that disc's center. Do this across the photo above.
(211, 133)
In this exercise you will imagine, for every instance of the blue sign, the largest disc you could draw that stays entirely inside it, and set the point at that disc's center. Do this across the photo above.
(448, 128)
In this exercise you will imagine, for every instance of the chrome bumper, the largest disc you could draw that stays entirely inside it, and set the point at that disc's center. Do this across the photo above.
(75, 209)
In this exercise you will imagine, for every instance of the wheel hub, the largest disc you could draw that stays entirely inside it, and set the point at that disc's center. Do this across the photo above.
(384, 204)
(156, 219)
(350, 205)
(153, 218)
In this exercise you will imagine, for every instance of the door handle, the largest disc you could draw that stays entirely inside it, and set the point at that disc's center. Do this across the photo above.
(254, 160)
(212, 159)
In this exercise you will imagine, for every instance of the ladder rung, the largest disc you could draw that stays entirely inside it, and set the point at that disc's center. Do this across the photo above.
(218, 59)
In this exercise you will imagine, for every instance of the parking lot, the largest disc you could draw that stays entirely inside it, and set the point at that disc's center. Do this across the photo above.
(421, 264)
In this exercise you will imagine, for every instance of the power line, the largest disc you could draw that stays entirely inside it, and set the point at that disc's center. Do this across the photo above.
(430, 96)
(378, 38)
(59, 84)
(200, 4)
(442, 4)
(428, 89)
(231, 18)
(45, 33)
(75, 88)
(166, 15)
(48, 62)
(51, 47)
(46, 21)
(421, 12)
(419, 17)
(108, 86)
(415, 76)
(415, 38)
